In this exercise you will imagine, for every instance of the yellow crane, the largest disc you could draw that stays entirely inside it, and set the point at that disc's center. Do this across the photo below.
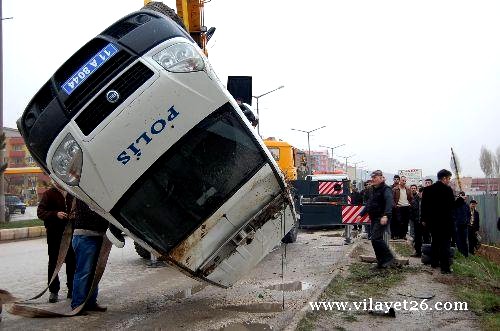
(191, 14)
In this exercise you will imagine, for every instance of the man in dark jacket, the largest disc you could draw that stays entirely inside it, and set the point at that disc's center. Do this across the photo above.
(437, 214)
(89, 229)
(461, 218)
(473, 226)
(379, 208)
(53, 210)
(415, 220)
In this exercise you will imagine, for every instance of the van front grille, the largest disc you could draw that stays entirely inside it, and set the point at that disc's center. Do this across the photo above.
(101, 107)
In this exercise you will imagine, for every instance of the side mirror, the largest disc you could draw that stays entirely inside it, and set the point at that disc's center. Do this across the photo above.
(254, 120)
(210, 33)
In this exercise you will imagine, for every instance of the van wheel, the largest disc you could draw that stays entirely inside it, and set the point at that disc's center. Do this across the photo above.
(160, 7)
(144, 253)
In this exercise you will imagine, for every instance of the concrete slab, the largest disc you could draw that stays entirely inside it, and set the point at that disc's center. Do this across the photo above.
(7, 234)
(21, 233)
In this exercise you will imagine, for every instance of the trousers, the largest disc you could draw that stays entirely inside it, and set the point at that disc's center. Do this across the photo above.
(440, 249)
(382, 251)
(54, 236)
(87, 252)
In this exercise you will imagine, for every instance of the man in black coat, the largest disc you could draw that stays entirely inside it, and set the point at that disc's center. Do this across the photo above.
(379, 208)
(53, 210)
(473, 226)
(437, 214)
(461, 216)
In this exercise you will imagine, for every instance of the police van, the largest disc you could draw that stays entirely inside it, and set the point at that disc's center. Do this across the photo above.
(137, 125)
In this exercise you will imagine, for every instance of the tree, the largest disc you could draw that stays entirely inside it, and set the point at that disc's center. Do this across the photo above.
(496, 163)
(486, 163)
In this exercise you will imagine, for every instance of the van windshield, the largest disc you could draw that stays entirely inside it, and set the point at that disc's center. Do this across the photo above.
(190, 181)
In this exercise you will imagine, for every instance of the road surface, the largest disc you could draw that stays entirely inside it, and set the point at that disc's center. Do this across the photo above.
(140, 297)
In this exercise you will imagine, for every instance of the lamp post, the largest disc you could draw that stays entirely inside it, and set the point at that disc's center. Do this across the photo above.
(356, 170)
(346, 158)
(309, 146)
(257, 97)
(332, 148)
(2, 152)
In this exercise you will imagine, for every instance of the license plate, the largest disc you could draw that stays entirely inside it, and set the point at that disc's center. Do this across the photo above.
(89, 68)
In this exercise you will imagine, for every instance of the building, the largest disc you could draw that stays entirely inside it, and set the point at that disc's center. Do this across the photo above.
(472, 185)
(27, 186)
(320, 161)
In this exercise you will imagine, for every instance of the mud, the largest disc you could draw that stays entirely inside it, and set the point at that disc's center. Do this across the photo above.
(256, 308)
(246, 327)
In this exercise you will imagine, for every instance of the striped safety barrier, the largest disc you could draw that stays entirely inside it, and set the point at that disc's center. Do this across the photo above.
(329, 188)
(349, 214)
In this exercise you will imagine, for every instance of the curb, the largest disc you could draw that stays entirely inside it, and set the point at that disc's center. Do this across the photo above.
(22, 233)
(298, 317)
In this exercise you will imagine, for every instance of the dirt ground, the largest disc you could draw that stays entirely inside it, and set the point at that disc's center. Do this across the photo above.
(419, 282)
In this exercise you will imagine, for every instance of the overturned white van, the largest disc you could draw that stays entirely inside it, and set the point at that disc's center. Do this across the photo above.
(159, 148)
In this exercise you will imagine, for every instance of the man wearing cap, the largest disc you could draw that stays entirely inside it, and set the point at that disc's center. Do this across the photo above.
(437, 213)
(379, 208)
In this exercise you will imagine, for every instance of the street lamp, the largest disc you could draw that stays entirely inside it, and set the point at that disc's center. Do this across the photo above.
(257, 97)
(2, 153)
(309, 146)
(356, 170)
(347, 157)
(332, 148)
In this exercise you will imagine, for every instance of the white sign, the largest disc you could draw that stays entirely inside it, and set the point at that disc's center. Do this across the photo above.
(413, 176)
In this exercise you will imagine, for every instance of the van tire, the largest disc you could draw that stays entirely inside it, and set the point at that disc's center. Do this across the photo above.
(161, 8)
(144, 253)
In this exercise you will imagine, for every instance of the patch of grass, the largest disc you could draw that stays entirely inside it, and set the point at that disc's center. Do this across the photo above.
(21, 224)
(478, 268)
(350, 318)
(307, 322)
(478, 284)
(363, 282)
(402, 249)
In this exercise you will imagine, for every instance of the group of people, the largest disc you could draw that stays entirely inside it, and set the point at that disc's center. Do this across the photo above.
(56, 209)
(432, 213)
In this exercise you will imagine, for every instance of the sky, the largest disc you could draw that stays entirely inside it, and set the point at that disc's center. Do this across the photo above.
(398, 82)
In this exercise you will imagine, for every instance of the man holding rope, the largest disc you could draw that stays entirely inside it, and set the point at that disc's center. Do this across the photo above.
(53, 210)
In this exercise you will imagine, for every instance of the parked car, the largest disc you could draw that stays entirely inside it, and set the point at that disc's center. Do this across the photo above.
(14, 204)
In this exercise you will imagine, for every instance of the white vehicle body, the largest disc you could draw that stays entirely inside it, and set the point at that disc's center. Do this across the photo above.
(177, 167)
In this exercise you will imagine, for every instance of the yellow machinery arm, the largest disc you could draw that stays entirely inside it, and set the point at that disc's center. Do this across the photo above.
(191, 13)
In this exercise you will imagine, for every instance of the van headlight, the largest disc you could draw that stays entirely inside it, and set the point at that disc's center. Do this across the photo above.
(181, 57)
(67, 161)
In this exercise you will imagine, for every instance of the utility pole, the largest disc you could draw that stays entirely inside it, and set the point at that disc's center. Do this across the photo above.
(257, 97)
(309, 147)
(346, 158)
(356, 170)
(2, 133)
(332, 148)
